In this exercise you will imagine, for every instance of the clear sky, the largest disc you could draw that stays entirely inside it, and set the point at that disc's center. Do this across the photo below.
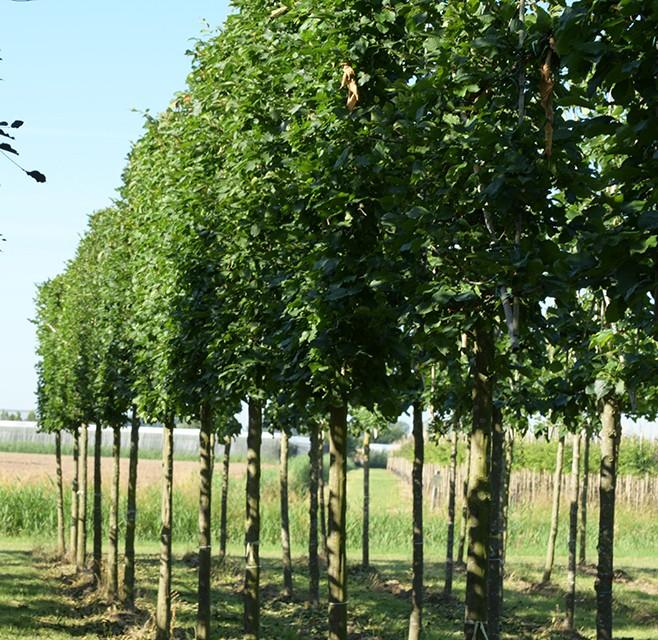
(74, 71)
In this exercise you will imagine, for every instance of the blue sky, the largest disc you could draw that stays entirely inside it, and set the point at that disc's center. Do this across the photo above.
(74, 71)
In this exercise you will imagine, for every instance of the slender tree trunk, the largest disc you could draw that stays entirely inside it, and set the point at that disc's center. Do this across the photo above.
(582, 521)
(321, 497)
(61, 537)
(464, 520)
(447, 588)
(285, 519)
(336, 542)
(75, 497)
(113, 538)
(252, 532)
(163, 609)
(416, 617)
(479, 489)
(223, 505)
(610, 437)
(131, 515)
(205, 501)
(313, 561)
(98, 512)
(509, 460)
(555, 513)
(573, 534)
(81, 546)
(365, 533)
(495, 576)
(113, 542)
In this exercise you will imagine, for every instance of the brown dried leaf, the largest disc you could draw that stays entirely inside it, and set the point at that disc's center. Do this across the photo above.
(279, 11)
(546, 85)
(349, 82)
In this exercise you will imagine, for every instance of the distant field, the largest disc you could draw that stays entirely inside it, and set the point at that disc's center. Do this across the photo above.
(37, 468)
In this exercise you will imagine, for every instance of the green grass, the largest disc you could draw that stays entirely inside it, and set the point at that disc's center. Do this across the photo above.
(37, 601)
(41, 601)
(28, 511)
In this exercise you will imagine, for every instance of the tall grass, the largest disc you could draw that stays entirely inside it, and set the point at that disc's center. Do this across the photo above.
(29, 510)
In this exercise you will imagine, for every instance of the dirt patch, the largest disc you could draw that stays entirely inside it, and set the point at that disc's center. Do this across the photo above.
(35, 468)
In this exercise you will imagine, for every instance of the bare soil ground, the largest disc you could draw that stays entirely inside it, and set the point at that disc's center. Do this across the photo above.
(39, 467)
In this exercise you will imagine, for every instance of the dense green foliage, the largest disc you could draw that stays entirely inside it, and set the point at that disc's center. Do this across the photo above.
(377, 204)
(637, 457)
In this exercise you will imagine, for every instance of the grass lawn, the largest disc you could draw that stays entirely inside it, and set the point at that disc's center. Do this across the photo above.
(41, 599)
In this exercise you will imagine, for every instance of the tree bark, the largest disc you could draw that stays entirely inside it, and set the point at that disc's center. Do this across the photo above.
(321, 498)
(336, 542)
(285, 519)
(479, 489)
(113, 541)
(416, 617)
(163, 609)
(252, 532)
(365, 533)
(555, 512)
(61, 537)
(573, 534)
(610, 437)
(447, 587)
(509, 460)
(464, 519)
(75, 497)
(495, 575)
(582, 521)
(98, 512)
(205, 501)
(313, 561)
(81, 545)
(131, 515)
(223, 505)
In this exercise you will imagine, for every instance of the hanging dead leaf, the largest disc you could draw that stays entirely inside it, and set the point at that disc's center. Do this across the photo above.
(349, 82)
(279, 11)
(546, 86)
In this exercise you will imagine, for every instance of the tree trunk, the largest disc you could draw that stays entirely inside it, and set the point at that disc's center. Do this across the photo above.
(321, 492)
(447, 588)
(131, 515)
(205, 501)
(555, 513)
(365, 534)
(223, 505)
(573, 534)
(163, 609)
(313, 561)
(98, 512)
(479, 489)
(81, 545)
(610, 437)
(252, 532)
(582, 521)
(61, 537)
(75, 497)
(464, 520)
(113, 542)
(285, 519)
(416, 617)
(336, 542)
(509, 459)
(495, 575)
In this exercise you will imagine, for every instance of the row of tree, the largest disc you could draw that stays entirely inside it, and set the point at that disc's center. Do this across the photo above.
(381, 205)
